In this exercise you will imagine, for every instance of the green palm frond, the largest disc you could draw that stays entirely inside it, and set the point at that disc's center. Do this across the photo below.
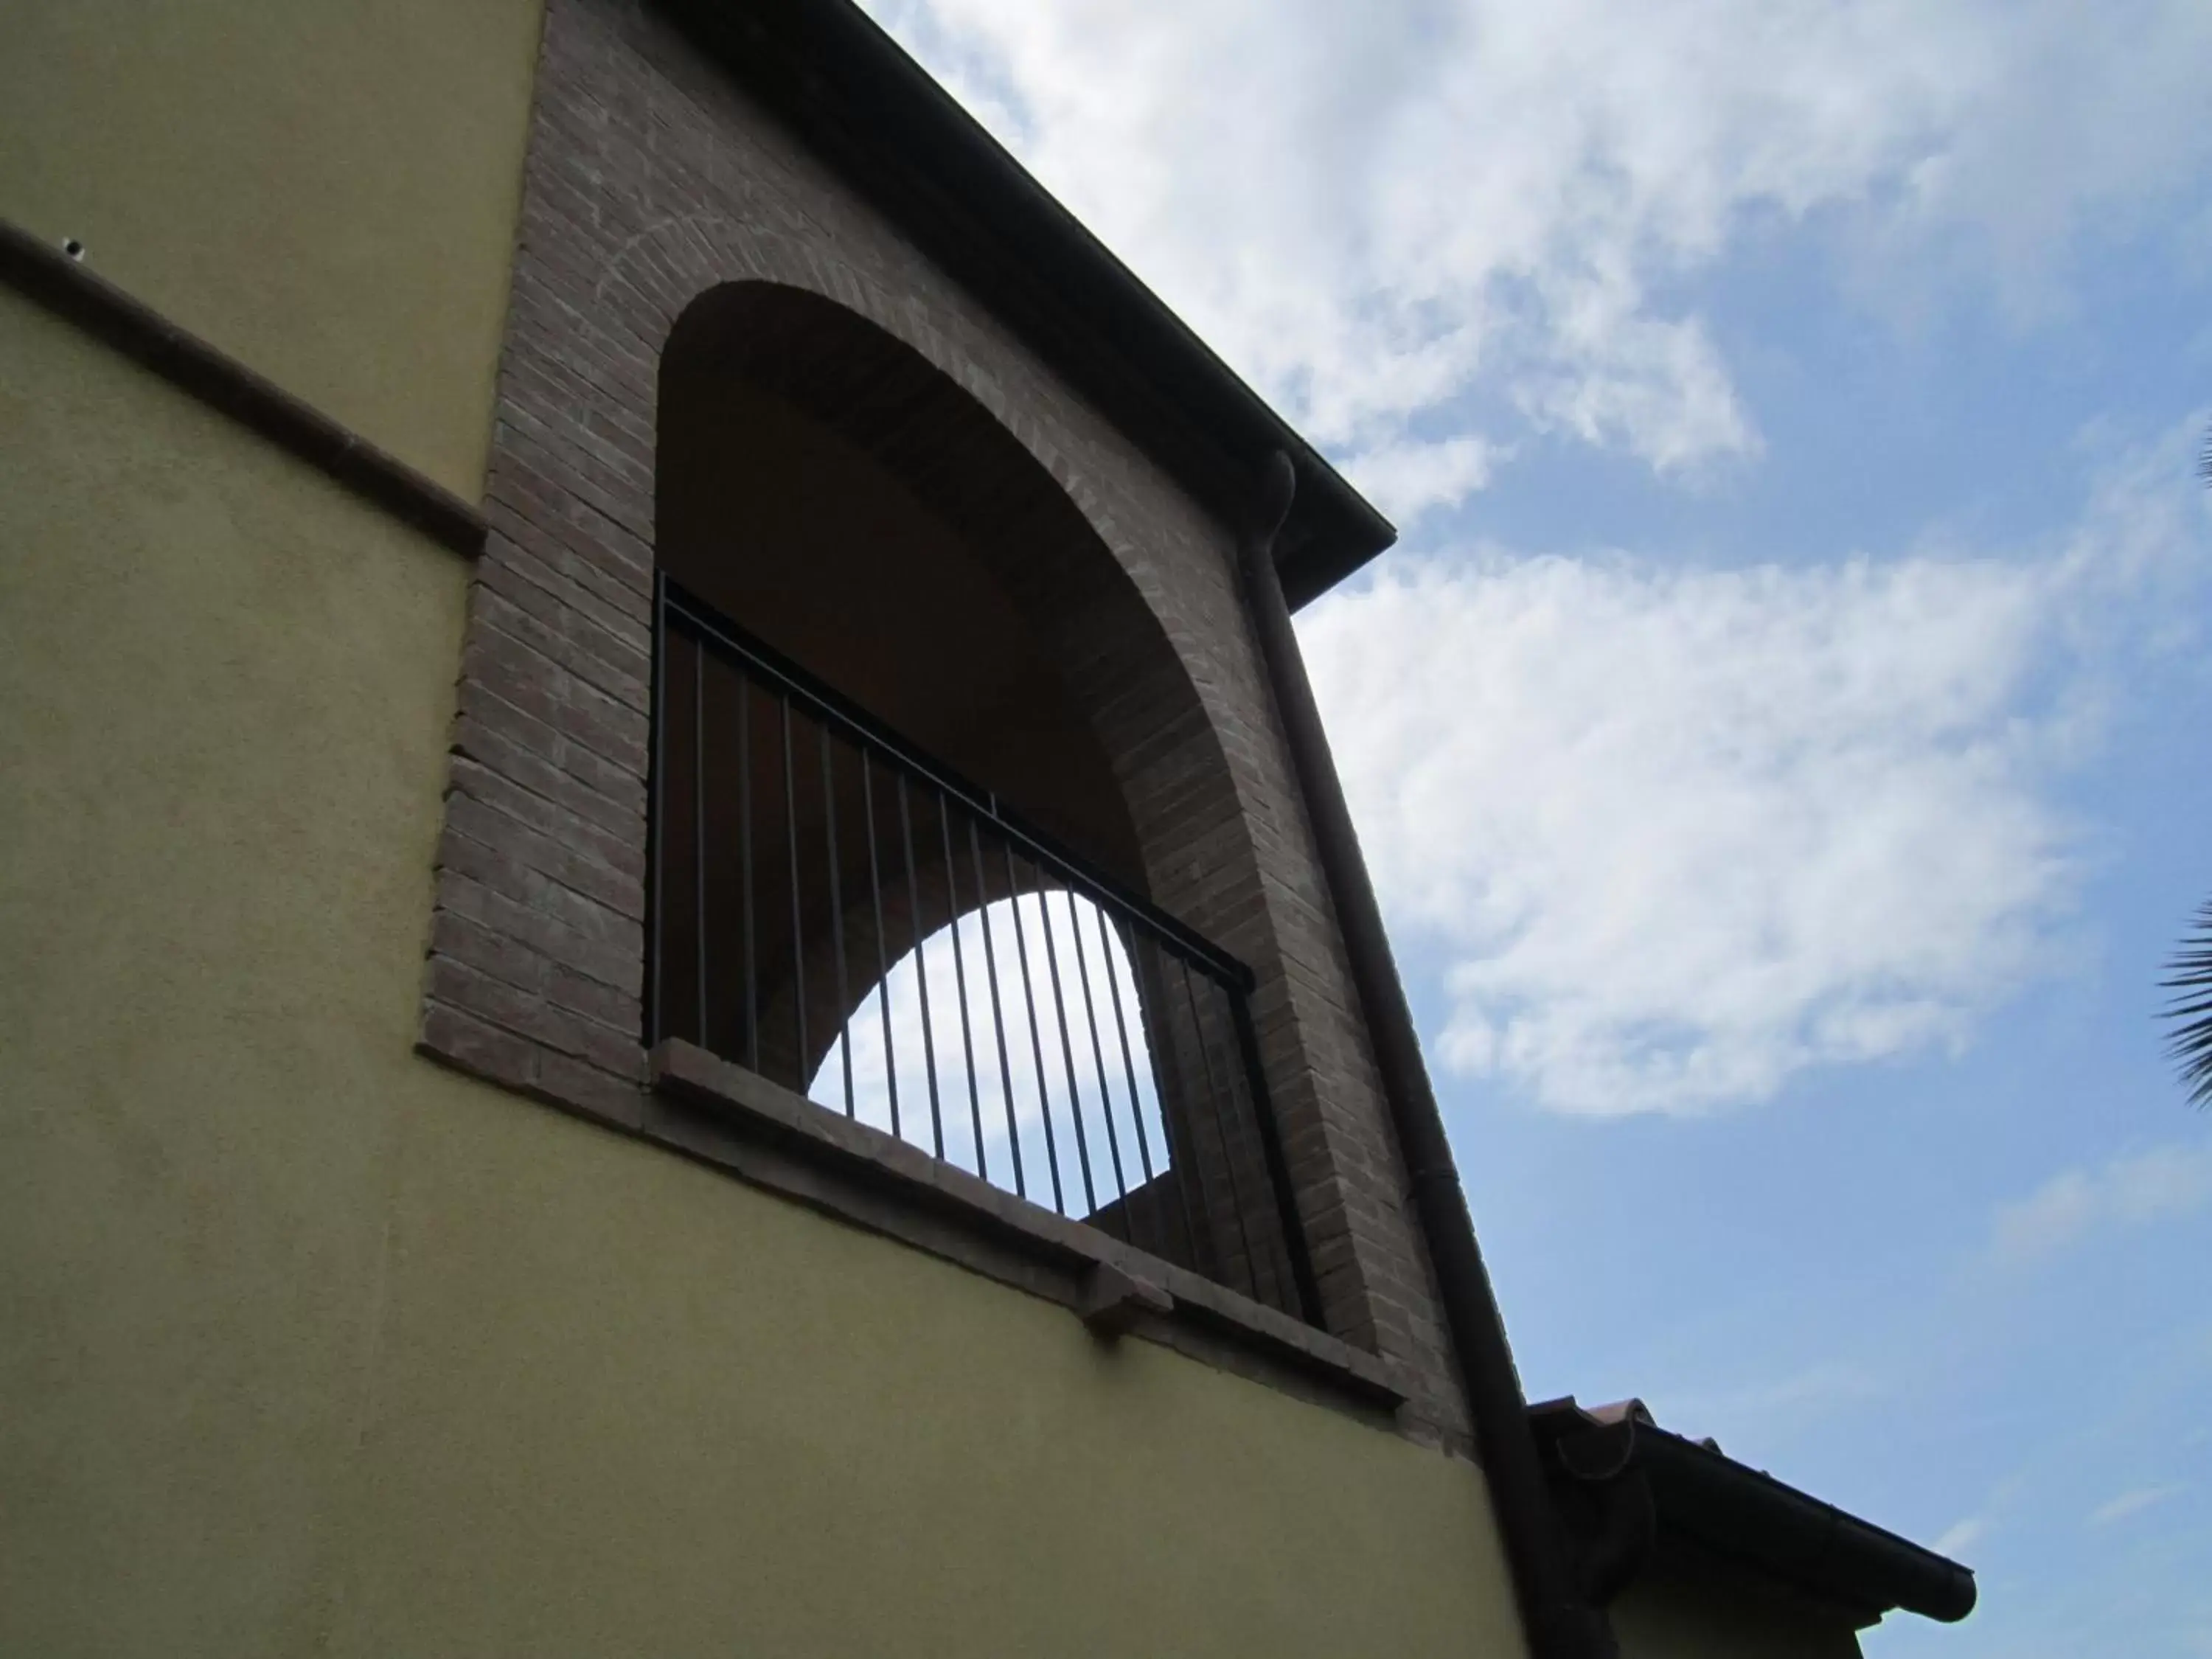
(2192, 967)
(2191, 982)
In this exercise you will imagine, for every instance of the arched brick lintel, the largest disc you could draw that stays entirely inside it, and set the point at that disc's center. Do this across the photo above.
(648, 183)
(541, 874)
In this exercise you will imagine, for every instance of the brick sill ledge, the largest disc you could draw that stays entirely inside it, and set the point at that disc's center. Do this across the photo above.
(735, 1119)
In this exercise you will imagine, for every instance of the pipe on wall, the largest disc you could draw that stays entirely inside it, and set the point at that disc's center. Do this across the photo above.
(1557, 1623)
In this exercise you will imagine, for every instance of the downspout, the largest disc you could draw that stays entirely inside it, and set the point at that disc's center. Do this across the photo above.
(1557, 1625)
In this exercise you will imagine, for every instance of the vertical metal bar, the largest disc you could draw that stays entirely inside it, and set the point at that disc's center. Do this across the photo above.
(882, 957)
(1271, 1148)
(960, 983)
(699, 824)
(837, 913)
(1221, 1132)
(1121, 1031)
(797, 909)
(745, 864)
(1183, 1162)
(921, 967)
(1099, 1059)
(998, 1015)
(656, 973)
(1067, 1054)
(1037, 1038)
(1288, 1273)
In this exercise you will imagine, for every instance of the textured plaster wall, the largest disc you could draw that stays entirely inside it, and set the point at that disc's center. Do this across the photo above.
(327, 189)
(221, 687)
(1680, 1612)
(308, 1346)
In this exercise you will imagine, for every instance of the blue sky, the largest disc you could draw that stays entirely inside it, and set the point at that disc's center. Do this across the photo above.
(1780, 736)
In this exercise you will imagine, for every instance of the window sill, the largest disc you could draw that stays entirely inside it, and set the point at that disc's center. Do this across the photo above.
(723, 1115)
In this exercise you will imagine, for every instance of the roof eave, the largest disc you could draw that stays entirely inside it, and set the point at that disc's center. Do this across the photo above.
(1730, 1510)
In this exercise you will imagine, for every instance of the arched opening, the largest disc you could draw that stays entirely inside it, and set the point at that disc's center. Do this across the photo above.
(853, 510)
(894, 731)
(956, 1051)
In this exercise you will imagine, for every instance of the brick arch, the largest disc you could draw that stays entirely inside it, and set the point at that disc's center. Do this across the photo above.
(731, 508)
(632, 209)
(663, 273)
(545, 843)
(1071, 610)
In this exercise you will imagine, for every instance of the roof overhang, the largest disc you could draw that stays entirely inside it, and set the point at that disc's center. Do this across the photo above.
(877, 117)
(1634, 1485)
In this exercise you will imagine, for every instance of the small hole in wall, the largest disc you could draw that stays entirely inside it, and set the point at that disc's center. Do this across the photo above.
(73, 248)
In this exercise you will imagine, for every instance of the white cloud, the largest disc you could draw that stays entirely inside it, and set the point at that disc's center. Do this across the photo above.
(1681, 834)
(1655, 388)
(1759, 1409)
(1960, 1535)
(1365, 207)
(1686, 832)
(2130, 1502)
(1408, 479)
(921, 1057)
(2132, 1189)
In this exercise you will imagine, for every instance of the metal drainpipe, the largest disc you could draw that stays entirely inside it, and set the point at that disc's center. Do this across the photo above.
(1557, 1623)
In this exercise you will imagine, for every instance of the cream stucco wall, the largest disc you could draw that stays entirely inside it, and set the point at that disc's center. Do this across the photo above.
(307, 1346)
(327, 189)
(1683, 1610)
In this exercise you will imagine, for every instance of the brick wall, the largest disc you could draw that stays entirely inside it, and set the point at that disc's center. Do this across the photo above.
(651, 181)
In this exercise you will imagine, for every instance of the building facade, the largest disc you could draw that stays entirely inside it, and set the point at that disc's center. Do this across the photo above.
(566, 562)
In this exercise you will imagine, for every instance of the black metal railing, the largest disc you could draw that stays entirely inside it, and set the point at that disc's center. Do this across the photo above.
(838, 912)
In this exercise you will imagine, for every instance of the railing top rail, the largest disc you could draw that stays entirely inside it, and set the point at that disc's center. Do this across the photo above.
(863, 728)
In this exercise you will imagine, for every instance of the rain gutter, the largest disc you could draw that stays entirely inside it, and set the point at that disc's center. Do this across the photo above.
(1557, 1623)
